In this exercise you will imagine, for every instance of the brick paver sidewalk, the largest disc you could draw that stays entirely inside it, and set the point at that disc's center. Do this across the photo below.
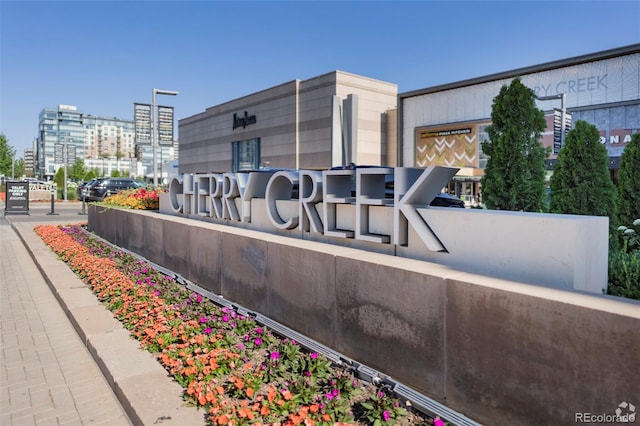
(47, 376)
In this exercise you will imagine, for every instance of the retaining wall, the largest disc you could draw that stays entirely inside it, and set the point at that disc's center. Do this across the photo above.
(499, 351)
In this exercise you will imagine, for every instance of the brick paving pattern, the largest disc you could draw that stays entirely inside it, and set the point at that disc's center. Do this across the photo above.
(47, 376)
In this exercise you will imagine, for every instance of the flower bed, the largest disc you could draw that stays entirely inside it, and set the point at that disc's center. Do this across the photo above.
(137, 199)
(235, 369)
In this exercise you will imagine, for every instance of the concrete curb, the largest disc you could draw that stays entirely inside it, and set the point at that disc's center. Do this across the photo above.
(145, 391)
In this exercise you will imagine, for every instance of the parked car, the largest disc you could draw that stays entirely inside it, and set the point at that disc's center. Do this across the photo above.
(101, 188)
(83, 188)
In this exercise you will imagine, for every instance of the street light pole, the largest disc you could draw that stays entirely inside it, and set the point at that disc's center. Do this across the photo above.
(154, 132)
(65, 159)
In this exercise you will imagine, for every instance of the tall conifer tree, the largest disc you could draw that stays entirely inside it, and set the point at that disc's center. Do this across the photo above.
(515, 172)
(629, 183)
(581, 183)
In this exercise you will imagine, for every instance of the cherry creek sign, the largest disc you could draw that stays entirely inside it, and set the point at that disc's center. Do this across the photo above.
(228, 196)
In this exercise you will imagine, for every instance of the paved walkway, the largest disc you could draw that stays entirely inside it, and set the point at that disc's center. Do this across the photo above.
(47, 376)
(64, 358)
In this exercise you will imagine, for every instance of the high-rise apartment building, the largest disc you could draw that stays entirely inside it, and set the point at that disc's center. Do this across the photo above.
(104, 143)
(90, 138)
(29, 162)
(58, 127)
(108, 137)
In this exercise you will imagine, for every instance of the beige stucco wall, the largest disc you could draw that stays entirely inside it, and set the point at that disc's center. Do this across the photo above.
(293, 122)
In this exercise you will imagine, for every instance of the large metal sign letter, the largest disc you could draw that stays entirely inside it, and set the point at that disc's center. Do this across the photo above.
(417, 188)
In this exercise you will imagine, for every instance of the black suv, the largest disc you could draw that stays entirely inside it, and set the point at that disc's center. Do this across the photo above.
(101, 188)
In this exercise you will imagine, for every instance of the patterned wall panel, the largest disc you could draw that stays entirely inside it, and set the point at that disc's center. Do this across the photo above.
(450, 146)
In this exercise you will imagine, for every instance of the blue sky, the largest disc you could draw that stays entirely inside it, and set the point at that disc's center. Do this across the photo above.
(103, 56)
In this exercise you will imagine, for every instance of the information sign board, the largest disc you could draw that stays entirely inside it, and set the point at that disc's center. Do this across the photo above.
(142, 123)
(17, 198)
(165, 125)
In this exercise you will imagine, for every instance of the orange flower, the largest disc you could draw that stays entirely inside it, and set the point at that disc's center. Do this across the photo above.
(271, 394)
(249, 392)
(296, 420)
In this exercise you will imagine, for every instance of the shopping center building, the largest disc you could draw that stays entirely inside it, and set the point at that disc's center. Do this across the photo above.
(330, 120)
(338, 118)
(445, 125)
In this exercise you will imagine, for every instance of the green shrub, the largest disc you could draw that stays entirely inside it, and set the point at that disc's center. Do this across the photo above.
(624, 264)
(71, 193)
(624, 274)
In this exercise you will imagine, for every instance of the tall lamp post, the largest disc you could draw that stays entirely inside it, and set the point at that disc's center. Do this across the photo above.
(154, 132)
(65, 160)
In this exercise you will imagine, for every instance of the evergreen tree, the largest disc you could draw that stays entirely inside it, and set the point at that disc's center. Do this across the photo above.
(58, 178)
(515, 172)
(581, 183)
(7, 154)
(629, 183)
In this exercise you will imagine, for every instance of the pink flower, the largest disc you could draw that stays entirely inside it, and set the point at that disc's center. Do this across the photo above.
(438, 422)
(274, 355)
(314, 355)
(258, 341)
(386, 415)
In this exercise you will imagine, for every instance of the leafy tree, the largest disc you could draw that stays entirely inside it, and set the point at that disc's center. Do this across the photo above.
(515, 172)
(91, 174)
(581, 183)
(7, 154)
(629, 183)
(77, 170)
(18, 167)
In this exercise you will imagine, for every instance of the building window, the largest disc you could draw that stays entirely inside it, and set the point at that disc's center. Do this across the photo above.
(246, 154)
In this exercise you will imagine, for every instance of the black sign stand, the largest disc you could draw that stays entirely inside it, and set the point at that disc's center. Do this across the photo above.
(17, 198)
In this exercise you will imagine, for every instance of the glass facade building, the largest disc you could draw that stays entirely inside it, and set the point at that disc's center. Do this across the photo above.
(104, 143)
(58, 127)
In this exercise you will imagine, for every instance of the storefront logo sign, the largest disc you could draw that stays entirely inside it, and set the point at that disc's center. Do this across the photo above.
(243, 121)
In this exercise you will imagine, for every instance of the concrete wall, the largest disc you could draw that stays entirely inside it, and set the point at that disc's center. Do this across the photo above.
(568, 252)
(499, 351)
